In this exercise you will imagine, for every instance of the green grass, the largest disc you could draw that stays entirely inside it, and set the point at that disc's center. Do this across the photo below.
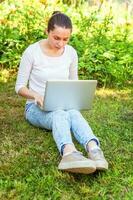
(29, 157)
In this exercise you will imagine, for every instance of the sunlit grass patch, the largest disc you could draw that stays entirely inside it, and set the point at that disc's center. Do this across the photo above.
(113, 93)
(29, 156)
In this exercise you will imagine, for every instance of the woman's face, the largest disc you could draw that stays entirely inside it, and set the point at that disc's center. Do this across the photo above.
(58, 37)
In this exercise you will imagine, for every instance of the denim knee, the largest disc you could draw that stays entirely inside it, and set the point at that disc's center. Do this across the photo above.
(74, 112)
(60, 113)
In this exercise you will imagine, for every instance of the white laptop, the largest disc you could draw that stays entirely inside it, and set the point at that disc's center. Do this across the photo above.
(69, 94)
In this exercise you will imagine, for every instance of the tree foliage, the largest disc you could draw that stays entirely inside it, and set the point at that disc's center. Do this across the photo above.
(104, 44)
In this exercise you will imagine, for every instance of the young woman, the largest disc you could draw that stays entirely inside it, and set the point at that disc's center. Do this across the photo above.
(53, 58)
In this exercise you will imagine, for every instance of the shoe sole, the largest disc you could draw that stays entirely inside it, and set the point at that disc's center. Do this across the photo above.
(101, 165)
(78, 167)
(80, 170)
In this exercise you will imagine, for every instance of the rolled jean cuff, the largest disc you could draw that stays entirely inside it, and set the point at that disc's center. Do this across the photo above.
(62, 149)
(63, 146)
(92, 139)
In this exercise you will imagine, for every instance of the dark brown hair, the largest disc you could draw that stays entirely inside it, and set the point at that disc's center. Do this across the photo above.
(59, 19)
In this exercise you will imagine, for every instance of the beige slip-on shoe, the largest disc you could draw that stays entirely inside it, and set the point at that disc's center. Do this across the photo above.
(75, 162)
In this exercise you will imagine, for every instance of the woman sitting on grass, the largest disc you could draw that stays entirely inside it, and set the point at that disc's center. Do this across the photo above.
(53, 58)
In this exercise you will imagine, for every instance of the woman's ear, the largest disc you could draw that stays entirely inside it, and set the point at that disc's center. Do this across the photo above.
(46, 31)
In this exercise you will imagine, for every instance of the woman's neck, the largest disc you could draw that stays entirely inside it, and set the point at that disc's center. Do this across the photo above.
(47, 49)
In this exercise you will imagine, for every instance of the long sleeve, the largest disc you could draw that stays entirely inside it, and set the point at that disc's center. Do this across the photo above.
(36, 68)
(24, 70)
(73, 71)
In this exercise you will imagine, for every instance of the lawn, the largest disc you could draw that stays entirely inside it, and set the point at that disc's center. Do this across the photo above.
(29, 157)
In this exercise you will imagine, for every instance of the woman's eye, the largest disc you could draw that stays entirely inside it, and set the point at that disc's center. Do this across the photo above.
(57, 38)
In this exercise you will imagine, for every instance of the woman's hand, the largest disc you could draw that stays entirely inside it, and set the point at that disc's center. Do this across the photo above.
(38, 100)
(25, 92)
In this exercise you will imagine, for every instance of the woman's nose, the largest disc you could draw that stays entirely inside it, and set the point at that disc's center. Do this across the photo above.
(61, 43)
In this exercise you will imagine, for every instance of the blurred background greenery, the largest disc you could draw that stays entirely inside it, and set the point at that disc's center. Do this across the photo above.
(102, 36)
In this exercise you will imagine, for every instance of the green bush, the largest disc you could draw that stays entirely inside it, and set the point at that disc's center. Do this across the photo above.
(20, 26)
(105, 51)
(104, 47)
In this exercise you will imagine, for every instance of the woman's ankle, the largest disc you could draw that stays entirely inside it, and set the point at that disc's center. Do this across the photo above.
(92, 144)
(68, 148)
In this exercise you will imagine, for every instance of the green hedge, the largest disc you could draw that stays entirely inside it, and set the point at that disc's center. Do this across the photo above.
(105, 48)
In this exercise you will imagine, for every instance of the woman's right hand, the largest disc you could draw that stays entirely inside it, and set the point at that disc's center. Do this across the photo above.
(25, 92)
(39, 100)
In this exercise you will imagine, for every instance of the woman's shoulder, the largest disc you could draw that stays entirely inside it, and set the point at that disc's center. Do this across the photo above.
(71, 50)
(31, 48)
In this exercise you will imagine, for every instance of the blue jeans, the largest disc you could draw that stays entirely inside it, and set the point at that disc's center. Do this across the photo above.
(62, 123)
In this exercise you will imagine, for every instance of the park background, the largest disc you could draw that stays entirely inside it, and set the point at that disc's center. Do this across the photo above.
(103, 37)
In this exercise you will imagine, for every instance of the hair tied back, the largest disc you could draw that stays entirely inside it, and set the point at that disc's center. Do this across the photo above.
(56, 12)
(59, 19)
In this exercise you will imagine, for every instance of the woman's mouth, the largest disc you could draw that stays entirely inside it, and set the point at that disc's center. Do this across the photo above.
(58, 47)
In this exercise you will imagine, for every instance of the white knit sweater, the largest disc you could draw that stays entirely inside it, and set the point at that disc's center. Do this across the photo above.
(36, 68)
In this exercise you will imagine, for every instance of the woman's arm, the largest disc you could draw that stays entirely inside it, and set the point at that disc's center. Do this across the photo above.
(73, 70)
(24, 71)
(25, 92)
